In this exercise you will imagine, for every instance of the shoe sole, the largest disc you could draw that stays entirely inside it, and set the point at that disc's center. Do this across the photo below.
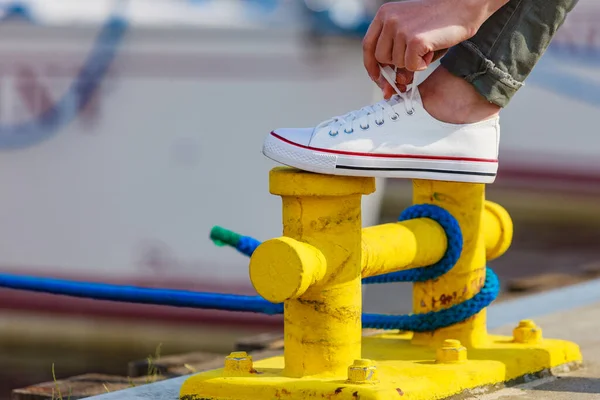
(330, 162)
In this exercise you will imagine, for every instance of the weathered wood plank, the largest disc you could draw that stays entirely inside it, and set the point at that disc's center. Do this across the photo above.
(141, 372)
(79, 387)
(174, 365)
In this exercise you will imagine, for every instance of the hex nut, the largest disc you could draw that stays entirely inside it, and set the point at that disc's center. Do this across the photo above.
(527, 332)
(362, 372)
(451, 352)
(238, 363)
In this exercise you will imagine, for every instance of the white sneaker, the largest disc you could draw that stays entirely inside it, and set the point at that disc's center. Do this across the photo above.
(394, 138)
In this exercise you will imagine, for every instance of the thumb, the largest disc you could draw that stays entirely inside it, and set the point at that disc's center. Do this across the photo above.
(424, 61)
(428, 58)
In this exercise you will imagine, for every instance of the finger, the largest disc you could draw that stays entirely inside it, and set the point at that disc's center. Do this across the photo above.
(404, 76)
(385, 47)
(428, 58)
(416, 50)
(382, 82)
(369, 47)
(398, 52)
(388, 92)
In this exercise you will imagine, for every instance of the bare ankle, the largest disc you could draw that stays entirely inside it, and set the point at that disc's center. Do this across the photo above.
(453, 100)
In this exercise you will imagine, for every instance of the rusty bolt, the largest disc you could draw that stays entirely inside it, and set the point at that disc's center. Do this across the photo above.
(238, 363)
(527, 332)
(451, 352)
(362, 371)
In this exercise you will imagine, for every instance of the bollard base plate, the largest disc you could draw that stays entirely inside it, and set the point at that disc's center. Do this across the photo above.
(405, 371)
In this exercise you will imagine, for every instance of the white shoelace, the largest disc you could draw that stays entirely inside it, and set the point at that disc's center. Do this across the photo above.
(379, 111)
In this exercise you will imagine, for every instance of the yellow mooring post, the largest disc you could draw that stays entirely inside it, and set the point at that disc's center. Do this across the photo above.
(317, 276)
(315, 269)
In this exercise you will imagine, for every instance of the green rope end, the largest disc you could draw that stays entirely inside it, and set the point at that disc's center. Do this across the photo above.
(224, 237)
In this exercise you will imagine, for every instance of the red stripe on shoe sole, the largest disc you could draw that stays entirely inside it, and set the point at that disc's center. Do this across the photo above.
(379, 155)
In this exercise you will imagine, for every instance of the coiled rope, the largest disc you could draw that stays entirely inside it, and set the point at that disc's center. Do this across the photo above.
(246, 245)
(415, 322)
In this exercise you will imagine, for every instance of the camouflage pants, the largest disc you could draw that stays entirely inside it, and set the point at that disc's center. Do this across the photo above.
(506, 48)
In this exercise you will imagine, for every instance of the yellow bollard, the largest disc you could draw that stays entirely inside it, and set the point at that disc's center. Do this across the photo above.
(323, 307)
(466, 202)
(315, 269)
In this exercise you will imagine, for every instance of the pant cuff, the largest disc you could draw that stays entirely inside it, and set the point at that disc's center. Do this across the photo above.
(468, 62)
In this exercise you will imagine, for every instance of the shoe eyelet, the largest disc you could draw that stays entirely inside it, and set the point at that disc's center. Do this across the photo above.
(395, 117)
(411, 111)
(348, 131)
(379, 123)
(364, 128)
(333, 133)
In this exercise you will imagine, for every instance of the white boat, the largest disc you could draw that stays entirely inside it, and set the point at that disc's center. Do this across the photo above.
(169, 145)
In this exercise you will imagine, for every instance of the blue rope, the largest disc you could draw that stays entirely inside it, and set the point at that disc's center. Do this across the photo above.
(247, 245)
(141, 295)
(434, 320)
(180, 298)
(445, 264)
(77, 96)
(231, 302)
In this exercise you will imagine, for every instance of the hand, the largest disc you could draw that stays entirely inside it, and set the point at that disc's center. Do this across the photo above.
(406, 34)
(404, 78)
